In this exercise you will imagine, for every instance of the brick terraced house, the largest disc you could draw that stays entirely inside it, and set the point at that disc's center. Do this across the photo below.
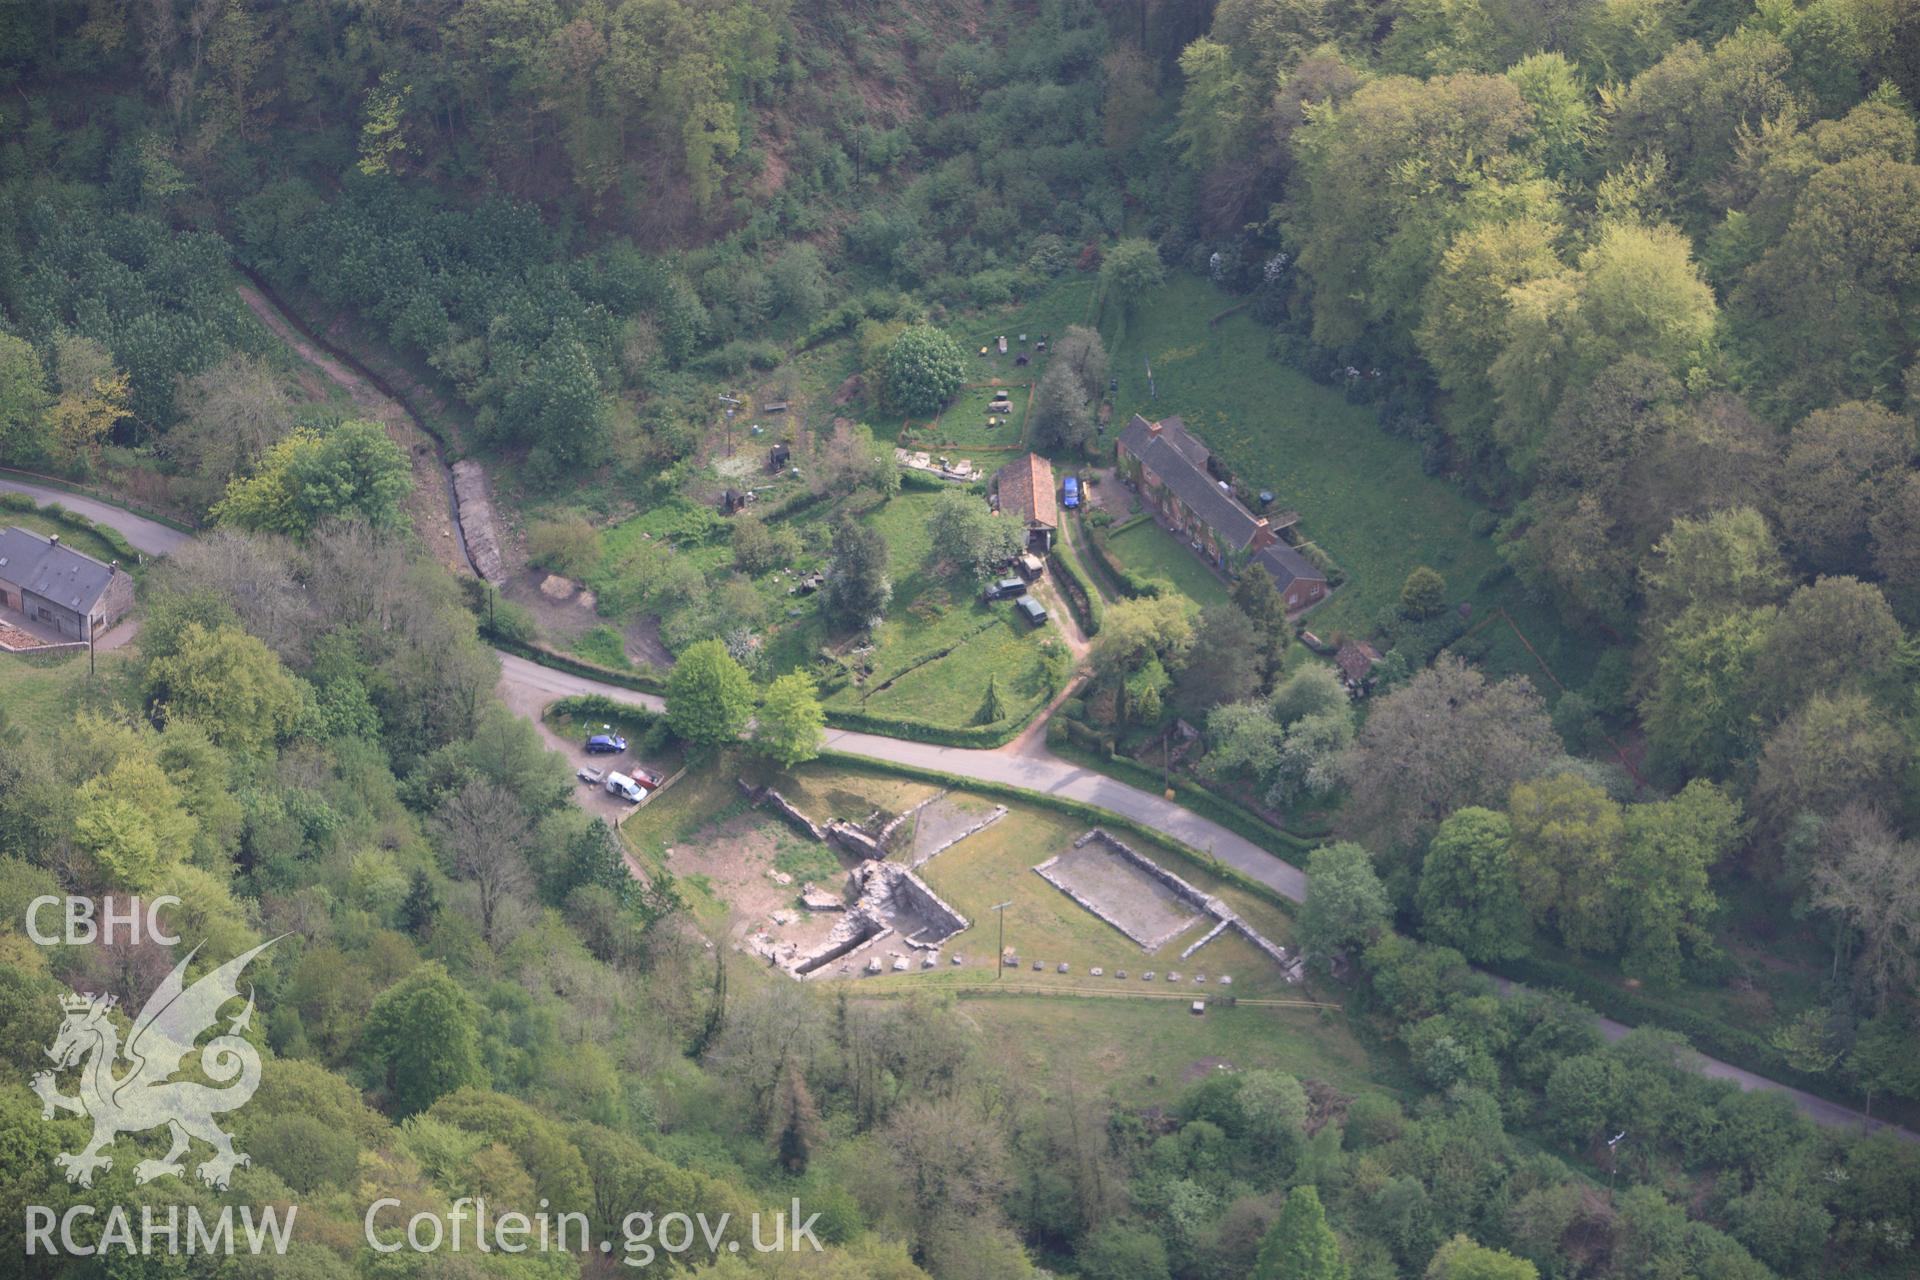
(1179, 477)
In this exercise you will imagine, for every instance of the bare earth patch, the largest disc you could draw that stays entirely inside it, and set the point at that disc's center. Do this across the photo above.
(735, 857)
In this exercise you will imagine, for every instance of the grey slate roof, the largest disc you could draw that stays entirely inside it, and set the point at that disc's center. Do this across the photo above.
(1287, 565)
(1180, 460)
(52, 570)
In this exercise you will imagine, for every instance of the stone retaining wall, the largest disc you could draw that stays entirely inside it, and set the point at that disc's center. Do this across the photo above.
(854, 840)
(999, 812)
(476, 520)
(1292, 967)
(785, 808)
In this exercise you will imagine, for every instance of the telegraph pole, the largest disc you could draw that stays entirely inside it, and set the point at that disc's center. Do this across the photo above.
(1000, 961)
(1613, 1160)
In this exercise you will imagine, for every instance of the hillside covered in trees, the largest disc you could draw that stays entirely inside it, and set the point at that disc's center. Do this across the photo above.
(1634, 282)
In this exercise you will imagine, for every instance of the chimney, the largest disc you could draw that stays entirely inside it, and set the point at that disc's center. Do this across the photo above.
(1153, 428)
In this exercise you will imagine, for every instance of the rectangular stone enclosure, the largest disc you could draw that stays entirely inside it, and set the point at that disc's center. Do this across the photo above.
(1124, 894)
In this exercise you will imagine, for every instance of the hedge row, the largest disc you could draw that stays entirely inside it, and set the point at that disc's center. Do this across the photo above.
(122, 550)
(1079, 594)
(646, 680)
(915, 478)
(983, 736)
(598, 706)
(1202, 800)
(1089, 813)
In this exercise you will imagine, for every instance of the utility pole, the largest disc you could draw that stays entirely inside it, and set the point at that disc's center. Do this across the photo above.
(1000, 960)
(1613, 1160)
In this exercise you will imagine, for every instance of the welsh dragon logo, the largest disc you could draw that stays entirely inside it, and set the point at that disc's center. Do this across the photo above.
(143, 1097)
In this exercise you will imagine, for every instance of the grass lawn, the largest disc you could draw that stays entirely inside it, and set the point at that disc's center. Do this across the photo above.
(42, 694)
(966, 425)
(1148, 549)
(1362, 496)
(1148, 1052)
(940, 642)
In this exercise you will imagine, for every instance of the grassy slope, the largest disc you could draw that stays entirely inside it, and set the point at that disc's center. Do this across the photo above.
(1363, 496)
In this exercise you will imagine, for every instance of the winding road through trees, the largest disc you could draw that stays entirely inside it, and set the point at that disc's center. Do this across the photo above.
(529, 688)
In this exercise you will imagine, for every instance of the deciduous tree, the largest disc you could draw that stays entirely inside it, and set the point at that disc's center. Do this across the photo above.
(1346, 905)
(788, 725)
(1446, 739)
(1301, 1246)
(709, 695)
(1468, 896)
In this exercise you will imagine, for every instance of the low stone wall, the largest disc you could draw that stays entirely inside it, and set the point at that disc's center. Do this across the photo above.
(1219, 928)
(1204, 901)
(900, 889)
(854, 840)
(1292, 967)
(886, 832)
(922, 859)
(784, 807)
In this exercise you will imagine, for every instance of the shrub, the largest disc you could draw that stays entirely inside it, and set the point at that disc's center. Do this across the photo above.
(924, 368)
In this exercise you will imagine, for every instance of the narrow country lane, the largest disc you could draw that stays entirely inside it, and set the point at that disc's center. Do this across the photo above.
(149, 537)
(528, 687)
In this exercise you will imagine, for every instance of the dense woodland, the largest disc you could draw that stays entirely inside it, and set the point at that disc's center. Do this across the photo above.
(1638, 275)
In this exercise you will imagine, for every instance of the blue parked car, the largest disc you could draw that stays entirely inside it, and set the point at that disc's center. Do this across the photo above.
(1071, 490)
(607, 744)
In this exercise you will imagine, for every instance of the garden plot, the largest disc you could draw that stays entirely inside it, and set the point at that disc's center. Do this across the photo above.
(1150, 909)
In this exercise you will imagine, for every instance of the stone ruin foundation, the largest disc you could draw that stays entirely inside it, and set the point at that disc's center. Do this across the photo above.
(1153, 924)
(893, 903)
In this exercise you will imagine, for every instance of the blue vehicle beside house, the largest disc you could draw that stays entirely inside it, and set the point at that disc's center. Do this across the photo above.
(1070, 492)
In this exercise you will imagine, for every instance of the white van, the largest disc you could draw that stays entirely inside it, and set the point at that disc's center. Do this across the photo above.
(619, 784)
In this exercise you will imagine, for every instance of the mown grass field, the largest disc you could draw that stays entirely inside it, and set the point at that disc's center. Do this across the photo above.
(1150, 1051)
(1148, 549)
(1362, 495)
(966, 424)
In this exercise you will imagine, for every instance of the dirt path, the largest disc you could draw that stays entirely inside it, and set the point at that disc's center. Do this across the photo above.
(430, 504)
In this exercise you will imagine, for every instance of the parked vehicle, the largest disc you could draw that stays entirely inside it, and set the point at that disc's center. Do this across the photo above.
(591, 776)
(606, 744)
(646, 778)
(619, 784)
(1006, 588)
(1032, 610)
(1070, 492)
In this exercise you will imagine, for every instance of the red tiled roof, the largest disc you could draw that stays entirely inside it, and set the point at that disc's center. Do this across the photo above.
(1026, 490)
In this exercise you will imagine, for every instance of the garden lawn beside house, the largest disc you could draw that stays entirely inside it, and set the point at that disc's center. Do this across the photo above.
(1150, 550)
(1362, 495)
